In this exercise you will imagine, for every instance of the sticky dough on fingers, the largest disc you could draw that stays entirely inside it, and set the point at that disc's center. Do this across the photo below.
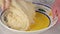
(7, 4)
(4, 4)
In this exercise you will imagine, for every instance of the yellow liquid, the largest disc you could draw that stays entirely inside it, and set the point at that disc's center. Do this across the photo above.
(41, 21)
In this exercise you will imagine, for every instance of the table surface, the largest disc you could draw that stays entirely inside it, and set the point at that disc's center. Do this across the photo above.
(54, 30)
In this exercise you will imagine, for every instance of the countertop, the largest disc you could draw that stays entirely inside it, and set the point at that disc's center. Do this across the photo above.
(54, 30)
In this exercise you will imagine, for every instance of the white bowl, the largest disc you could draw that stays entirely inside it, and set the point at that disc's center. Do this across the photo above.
(7, 30)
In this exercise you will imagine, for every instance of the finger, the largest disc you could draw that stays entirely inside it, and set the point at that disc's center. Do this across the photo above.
(3, 5)
(58, 12)
(6, 4)
(54, 11)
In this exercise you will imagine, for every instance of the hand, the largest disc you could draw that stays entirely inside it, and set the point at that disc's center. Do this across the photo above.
(5, 4)
(56, 9)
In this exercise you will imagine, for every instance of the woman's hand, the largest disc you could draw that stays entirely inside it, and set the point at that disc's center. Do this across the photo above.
(56, 9)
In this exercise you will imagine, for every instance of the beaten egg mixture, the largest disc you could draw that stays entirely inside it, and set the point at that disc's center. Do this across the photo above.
(41, 22)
